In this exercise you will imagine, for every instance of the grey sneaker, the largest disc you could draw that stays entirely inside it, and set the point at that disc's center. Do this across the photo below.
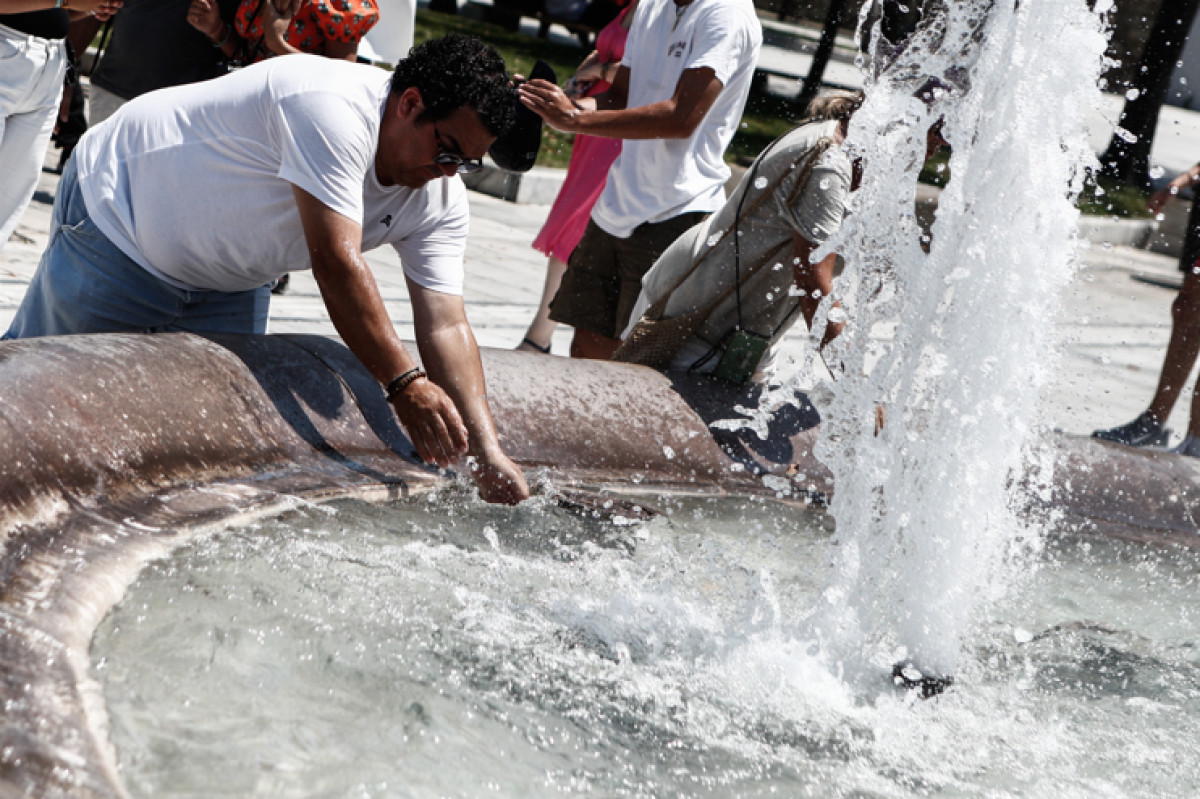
(1190, 446)
(1144, 431)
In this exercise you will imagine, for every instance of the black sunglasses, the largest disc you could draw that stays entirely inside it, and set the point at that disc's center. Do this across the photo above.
(447, 157)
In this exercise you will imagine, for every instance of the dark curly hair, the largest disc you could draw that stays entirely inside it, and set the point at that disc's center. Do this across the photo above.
(458, 70)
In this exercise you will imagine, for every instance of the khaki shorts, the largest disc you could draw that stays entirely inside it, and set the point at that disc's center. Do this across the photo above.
(604, 276)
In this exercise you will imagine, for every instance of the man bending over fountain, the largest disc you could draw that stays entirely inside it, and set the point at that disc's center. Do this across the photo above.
(180, 211)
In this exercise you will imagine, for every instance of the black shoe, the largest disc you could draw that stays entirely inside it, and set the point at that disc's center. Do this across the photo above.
(1144, 431)
(281, 285)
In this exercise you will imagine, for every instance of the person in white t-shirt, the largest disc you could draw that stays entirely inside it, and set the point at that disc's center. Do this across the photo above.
(676, 101)
(179, 212)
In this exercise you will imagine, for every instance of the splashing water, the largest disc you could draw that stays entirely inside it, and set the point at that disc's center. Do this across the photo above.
(924, 504)
(437, 647)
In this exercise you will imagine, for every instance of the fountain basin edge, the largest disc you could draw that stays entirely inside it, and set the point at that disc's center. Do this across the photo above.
(121, 447)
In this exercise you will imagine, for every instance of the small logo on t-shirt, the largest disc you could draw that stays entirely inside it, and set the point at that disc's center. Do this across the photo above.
(676, 49)
(386, 221)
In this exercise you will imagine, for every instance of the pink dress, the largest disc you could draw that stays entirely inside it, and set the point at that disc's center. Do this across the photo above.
(591, 157)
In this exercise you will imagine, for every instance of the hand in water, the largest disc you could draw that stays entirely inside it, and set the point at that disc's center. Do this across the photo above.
(500, 480)
(432, 422)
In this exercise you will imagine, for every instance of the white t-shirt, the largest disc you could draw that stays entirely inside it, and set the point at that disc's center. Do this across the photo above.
(657, 179)
(194, 183)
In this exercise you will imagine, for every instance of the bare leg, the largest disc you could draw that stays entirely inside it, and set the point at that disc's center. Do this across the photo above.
(587, 344)
(542, 328)
(1181, 353)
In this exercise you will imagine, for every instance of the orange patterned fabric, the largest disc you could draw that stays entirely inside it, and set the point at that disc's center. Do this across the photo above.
(317, 22)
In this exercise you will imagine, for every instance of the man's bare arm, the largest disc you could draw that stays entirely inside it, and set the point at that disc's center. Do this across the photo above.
(674, 118)
(451, 355)
(352, 298)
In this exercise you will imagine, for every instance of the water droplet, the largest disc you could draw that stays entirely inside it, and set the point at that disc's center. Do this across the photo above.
(1132, 94)
(760, 182)
(670, 453)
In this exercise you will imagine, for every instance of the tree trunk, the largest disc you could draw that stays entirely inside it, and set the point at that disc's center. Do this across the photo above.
(816, 70)
(1128, 155)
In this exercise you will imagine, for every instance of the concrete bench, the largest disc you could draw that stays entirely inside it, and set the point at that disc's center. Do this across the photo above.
(508, 14)
(585, 33)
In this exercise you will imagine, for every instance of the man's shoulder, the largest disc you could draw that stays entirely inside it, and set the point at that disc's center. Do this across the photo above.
(322, 92)
(795, 148)
(738, 13)
(803, 137)
(733, 25)
(306, 70)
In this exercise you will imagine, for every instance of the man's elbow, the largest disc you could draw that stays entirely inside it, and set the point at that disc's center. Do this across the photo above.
(682, 128)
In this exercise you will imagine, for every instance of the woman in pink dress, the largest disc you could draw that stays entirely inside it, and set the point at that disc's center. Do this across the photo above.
(591, 158)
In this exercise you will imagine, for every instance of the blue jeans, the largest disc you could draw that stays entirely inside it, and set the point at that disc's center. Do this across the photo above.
(85, 284)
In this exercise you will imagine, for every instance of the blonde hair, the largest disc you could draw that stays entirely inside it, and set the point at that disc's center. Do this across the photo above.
(834, 104)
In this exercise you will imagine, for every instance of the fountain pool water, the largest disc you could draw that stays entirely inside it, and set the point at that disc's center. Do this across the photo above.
(437, 647)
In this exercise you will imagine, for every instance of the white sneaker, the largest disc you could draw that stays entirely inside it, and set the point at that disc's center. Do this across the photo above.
(1190, 446)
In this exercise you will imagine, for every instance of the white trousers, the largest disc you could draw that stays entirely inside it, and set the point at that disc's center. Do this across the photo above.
(31, 81)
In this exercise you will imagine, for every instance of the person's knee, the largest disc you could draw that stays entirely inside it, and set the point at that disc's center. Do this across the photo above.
(576, 349)
(807, 280)
(586, 344)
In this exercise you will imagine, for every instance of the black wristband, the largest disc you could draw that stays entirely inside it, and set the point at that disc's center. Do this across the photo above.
(401, 382)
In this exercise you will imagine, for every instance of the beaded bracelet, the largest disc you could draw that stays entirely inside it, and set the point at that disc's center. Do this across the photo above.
(403, 381)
